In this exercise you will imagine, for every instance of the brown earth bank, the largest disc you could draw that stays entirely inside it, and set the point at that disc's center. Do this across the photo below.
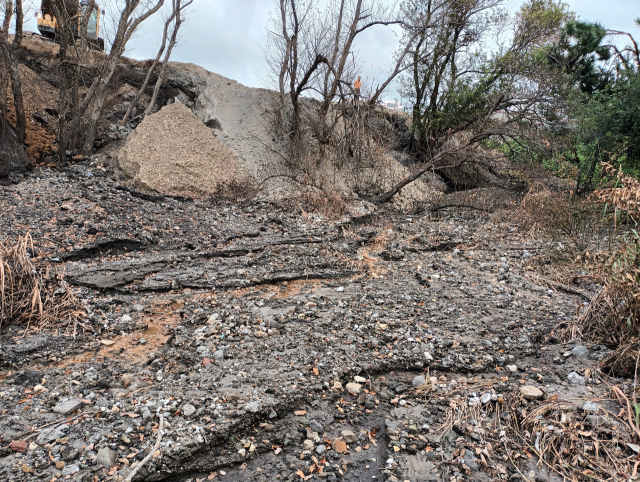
(262, 341)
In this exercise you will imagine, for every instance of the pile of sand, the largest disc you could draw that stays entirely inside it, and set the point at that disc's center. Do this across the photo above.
(173, 152)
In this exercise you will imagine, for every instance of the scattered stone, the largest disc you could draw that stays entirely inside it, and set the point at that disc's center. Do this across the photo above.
(634, 447)
(589, 407)
(358, 379)
(188, 410)
(316, 426)
(339, 445)
(580, 351)
(253, 407)
(69, 453)
(106, 457)
(349, 436)
(308, 444)
(512, 368)
(268, 427)
(354, 388)
(401, 388)
(68, 407)
(126, 380)
(70, 470)
(321, 449)
(50, 434)
(574, 379)
(486, 398)
(387, 394)
(531, 393)
(18, 446)
(218, 355)
(418, 381)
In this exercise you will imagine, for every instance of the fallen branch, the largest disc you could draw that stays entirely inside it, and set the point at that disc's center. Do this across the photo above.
(467, 206)
(64, 420)
(151, 452)
(564, 288)
(624, 401)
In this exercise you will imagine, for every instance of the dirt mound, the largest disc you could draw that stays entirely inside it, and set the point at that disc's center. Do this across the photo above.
(236, 114)
(39, 97)
(173, 152)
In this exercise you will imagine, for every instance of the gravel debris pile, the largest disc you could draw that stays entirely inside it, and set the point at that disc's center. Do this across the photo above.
(173, 152)
(261, 342)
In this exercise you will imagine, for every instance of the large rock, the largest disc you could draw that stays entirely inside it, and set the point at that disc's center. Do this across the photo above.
(50, 434)
(106, 457)
(13, 157)
(173, 152)
(68, 407)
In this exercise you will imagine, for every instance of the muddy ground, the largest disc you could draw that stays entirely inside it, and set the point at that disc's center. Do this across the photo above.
(278, 344)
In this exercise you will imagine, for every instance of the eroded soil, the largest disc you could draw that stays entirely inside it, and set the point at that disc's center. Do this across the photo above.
(261, 333)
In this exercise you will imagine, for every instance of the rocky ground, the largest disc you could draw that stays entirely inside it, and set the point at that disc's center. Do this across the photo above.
(276, 344)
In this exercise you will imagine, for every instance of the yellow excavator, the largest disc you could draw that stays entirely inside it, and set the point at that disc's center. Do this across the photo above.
(48, 25)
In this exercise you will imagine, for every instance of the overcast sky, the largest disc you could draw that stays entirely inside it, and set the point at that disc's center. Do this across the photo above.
(225, 36)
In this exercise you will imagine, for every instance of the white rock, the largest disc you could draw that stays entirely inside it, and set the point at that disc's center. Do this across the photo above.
(531, 393)
(575, 379)
(354, 388)
(418, 381)
(188, 410)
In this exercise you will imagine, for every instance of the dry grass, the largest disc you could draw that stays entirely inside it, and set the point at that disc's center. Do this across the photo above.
(29, 296)
(624, 196)
(329, 204)
(570, 446)
(613, 316)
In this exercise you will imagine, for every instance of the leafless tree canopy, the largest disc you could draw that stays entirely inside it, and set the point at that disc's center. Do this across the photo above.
(471, 72)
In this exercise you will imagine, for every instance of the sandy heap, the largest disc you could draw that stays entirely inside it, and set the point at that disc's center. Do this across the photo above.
(173, 152)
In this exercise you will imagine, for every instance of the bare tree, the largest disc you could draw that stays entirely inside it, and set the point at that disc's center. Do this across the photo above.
(176, 11)
(311, 52)
(177, 8)
(131, 16)
(76, 59)
(4, 70)
(464, 94)
(629, 55)
(9, 52)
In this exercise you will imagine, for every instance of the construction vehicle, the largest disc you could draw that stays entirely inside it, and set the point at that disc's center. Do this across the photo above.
(48, 25)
